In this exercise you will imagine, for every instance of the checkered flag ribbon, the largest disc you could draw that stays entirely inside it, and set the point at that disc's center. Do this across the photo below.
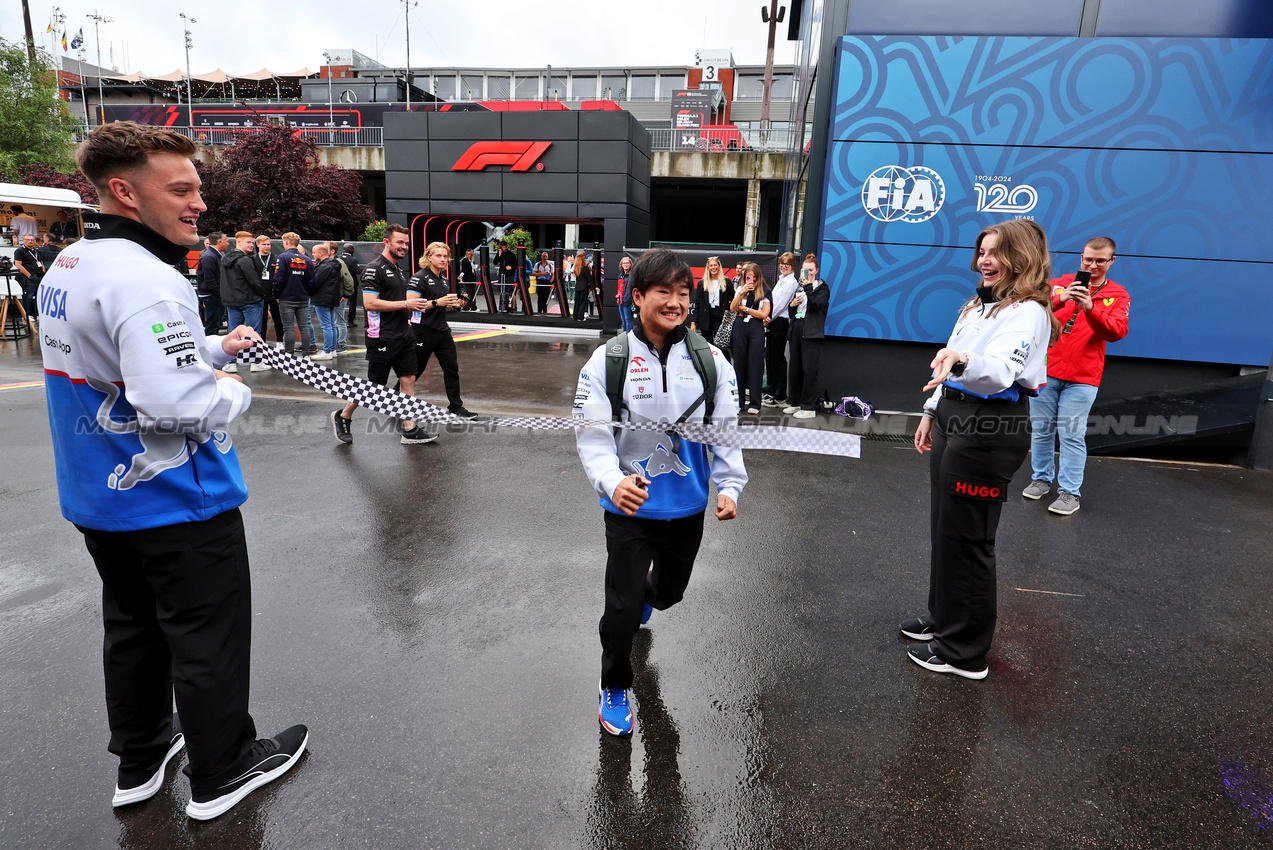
(401, 406)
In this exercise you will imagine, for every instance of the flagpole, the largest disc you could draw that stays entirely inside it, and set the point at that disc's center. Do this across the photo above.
(97, 34)
(26, 20)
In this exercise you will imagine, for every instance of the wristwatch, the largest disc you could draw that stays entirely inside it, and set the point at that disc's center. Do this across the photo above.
(960, 365)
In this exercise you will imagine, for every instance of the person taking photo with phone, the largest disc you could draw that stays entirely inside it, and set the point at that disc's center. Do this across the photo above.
(1093, 311)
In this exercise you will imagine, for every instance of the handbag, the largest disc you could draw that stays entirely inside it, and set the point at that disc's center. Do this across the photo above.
(725, 333)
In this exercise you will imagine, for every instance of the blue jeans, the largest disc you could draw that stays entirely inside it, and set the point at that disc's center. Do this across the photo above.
(295, 320)
(249, 314)
(1060, 410)
(342, 329)
(625, 316)
(327, 318)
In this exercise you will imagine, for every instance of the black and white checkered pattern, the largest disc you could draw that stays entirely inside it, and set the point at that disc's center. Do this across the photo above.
(401, 406)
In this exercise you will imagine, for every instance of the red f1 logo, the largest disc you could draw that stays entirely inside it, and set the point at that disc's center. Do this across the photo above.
(520, 155)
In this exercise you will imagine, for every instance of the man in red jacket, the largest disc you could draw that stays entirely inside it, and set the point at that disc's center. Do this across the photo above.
(1090, 317)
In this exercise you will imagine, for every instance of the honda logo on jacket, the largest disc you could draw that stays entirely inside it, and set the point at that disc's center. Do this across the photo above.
(520, 155)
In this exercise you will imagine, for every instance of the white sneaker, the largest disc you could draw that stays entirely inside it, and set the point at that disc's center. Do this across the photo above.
(790, 409)
(323, 355)
(259, 367)
(804, 414)
(230, 368)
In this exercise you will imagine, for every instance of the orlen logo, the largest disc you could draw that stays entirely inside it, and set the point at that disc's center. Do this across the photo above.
(894, 193)
(520, 155)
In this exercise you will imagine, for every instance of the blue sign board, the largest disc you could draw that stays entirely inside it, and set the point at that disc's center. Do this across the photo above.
(1164, 145)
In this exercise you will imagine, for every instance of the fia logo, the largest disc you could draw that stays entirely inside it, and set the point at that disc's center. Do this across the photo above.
(894, 193)
(997, 198)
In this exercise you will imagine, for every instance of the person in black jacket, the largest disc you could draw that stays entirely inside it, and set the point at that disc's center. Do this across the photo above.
(208, 282)
(350, 259)
(243, 291)
(293, 283)
(266, 265)
(507, 263)
(468, 280)
(325, 297)
(808, 330)
(432, 333)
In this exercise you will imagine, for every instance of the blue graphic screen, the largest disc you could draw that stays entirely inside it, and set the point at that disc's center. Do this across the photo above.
(1164, 145)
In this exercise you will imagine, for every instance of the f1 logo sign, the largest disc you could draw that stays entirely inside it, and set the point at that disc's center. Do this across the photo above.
(520, 155)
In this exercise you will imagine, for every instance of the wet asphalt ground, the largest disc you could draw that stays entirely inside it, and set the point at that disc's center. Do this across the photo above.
(431, 613)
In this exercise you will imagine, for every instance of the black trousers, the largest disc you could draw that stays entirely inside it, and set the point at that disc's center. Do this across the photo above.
(276, 314)
(776, 358)
(977, 448)
(213, 313)
(434, 342)
(177, 609)
(354, 301)
(806, 358)
(648, 560)
(543, 288)
(748, 346)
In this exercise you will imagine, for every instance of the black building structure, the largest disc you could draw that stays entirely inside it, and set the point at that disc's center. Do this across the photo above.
(443, 170)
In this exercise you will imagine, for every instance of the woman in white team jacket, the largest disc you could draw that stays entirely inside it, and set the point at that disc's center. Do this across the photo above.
(976, 425)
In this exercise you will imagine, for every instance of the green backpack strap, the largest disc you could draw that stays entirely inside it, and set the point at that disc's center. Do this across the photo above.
(705, 366)
(616, 373)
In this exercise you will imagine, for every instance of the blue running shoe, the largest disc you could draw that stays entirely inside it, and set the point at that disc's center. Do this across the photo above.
(645, 615)
(614, 712)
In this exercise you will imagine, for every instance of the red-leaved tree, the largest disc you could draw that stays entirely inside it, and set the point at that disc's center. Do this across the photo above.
(49, 177)
(269, 181)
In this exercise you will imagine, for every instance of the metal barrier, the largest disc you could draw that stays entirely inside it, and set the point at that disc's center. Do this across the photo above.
(726, 140)
(348, 137)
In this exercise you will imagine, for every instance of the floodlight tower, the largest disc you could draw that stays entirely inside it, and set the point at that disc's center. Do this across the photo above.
(186, 22)
(97, 34)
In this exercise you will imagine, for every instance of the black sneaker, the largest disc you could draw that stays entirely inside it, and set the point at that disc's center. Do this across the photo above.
(463, 413)
(417, 437)
(342, 426)
(918, 629)
(266, 760)
(923, 655)
(133, 786)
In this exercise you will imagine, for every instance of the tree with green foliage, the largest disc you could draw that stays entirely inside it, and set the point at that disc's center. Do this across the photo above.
(269, 181)
(375, 231)
(35, 128)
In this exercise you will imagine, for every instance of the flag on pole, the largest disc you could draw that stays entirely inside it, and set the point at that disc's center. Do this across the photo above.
(78, 40)
(64, 42)
(50, 29)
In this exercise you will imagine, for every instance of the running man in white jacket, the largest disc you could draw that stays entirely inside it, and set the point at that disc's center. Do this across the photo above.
(653, 485)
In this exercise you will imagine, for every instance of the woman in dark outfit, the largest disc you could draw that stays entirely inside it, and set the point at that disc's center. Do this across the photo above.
(976, 425)
(808, 330)
(752, 305)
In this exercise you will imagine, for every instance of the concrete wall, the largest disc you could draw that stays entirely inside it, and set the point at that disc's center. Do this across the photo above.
(720, 166)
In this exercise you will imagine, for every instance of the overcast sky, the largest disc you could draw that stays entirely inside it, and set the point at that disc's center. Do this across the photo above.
(287, 35)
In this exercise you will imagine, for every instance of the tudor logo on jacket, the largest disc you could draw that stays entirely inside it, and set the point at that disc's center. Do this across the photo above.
(135, 408)
(657, 390)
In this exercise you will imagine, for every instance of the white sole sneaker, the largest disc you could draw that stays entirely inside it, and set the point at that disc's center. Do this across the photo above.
(804, 414)
(221, 805)
(938, 666)
(152, 786)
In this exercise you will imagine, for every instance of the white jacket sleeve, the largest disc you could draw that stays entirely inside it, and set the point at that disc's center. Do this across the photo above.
(728, 473)
(595, 443)
(168, 379)
(1003, 357)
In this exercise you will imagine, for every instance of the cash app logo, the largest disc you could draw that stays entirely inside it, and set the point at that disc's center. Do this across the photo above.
(159, 328)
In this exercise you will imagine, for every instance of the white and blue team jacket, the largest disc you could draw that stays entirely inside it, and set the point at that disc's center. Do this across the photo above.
(654, 391)
(1007, 353)
(134, 406)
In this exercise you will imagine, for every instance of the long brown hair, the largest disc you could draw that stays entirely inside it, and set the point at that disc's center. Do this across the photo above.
(760, 279)
(1023, 250)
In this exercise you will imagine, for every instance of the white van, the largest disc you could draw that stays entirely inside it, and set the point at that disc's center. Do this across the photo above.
(39, 202)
